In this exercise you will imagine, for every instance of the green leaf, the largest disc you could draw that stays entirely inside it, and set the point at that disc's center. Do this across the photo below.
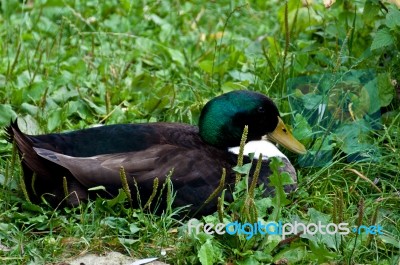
(311, 101)
(393, 19)
(54, 120)
(120, 224)
(32, 207)
(321, 253)
(367, 101)
(382, 38)
(263, 204)
(120, 198)
(207, 66)
(271, 242)
(390, 239)
(231, 86)
(133, 228)
(354, 139)
(262, 256)
(177, 56)
(6, 114)
(245, 169)
(292, 255)
(98, 109)
(371, 11)
(29, 125)
(241, 76)
(385, 89)
(29, 108)
(206, 253)
(78, 107)
(279, 200)
(248, 261)
(328, 240)
(302, 129)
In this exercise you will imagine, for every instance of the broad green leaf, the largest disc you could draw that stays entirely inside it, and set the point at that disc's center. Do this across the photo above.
(118, 223)
(330, 241)
(54, 120)
(231, 86)
(390, 239)
(321, 253)
(10, 7)
(311, 101)
(385, 89)
(117, 115)
(302, 130)
(29, 108)
(245, 169)
(32, 207)
(393, 18)
(6, 114)
(207, 66)
(120, 198)
(63, 95)
(99, 109)
(263, 204)
(159, 100)
(279, 200)
(206, 253)
(28, 124)
(241, 76)
(383, 38)
(250, 260)
(271, 242)
(354, 139)
(78, 107)
(126, 4)
(371, 11)
(177, 56)
(292, 255)
(286, 178)
(133, 228)
(368, 99)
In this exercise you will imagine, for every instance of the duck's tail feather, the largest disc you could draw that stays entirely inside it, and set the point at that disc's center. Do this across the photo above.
(10, 132)
(25, 148)
(41, 176)
(29, 158)
(24, 145)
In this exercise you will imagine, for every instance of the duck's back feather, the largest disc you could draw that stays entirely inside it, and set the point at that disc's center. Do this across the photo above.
(117, 138)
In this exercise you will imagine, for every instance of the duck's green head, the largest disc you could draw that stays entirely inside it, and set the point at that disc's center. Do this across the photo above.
(223, 118)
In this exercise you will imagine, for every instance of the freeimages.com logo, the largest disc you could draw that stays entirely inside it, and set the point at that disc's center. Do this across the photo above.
(279, 228)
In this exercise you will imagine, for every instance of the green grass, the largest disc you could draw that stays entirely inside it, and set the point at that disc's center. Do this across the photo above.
(67, 65)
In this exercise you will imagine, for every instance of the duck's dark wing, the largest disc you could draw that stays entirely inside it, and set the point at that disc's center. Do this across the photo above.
(195, 176)
(118, 138)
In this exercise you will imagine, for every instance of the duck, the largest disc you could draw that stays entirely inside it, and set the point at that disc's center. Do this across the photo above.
(194, 157)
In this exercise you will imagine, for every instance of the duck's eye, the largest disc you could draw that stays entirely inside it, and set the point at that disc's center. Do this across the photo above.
(261, 109)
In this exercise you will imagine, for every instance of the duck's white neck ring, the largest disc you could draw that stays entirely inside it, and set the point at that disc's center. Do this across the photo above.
(266, 148)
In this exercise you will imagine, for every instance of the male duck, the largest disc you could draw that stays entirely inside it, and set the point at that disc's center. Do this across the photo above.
(93, 157)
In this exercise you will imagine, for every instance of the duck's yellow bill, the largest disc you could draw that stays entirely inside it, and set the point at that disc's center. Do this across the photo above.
(281, 135)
